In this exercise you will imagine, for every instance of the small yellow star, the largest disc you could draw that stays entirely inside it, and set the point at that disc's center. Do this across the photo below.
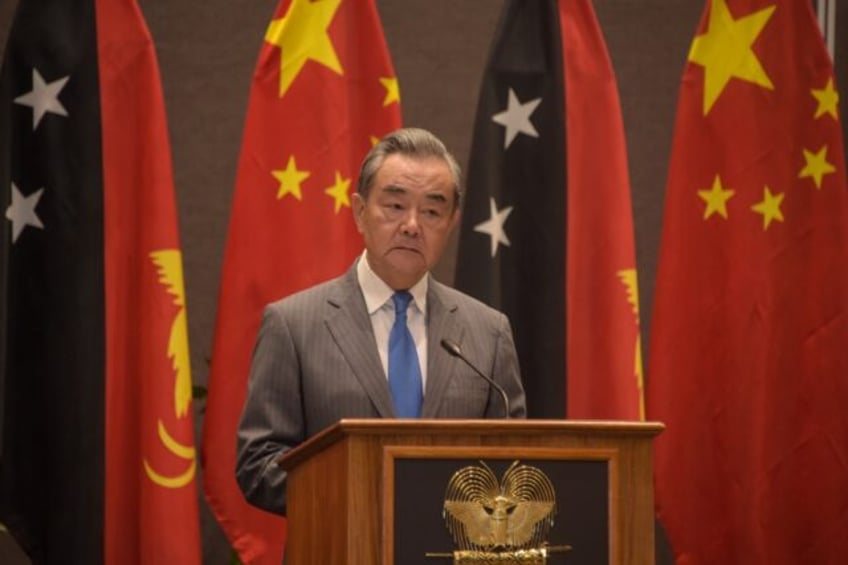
(301, 36)
(290, 179)
(392, 90)
(725, 50)
(769, 207)
(817, 166)
(339, 192)
(828, 100)
(716, 199)
(374, 140)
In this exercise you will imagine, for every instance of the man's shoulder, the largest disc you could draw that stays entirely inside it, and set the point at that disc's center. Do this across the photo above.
(453, 298)
(333, 289)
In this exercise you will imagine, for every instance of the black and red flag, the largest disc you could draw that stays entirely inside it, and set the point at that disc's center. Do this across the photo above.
(547, 230)
(98, 460)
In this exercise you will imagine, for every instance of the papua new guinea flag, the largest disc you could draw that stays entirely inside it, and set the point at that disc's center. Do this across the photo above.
(98, 460)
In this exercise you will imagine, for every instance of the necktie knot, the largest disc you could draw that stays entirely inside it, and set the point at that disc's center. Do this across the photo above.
(401, 298)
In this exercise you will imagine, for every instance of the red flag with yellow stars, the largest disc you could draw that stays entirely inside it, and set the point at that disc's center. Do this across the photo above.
(323, 91)
(749, 348)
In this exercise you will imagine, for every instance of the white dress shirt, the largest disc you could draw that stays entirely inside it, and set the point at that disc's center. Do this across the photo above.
(381, 309)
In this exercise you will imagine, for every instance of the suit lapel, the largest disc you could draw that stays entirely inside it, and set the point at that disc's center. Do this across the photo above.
(351, 329)
(442, 322)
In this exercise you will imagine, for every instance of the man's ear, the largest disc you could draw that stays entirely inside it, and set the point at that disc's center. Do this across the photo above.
(357, 206)
(455, 220)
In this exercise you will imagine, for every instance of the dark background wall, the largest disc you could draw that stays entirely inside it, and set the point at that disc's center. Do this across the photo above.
(207, 51)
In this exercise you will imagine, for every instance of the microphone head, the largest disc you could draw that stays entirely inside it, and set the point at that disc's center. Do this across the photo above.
(451, 347)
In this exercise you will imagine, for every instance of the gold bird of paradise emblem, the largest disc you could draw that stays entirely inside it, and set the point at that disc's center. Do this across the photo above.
(484, 514)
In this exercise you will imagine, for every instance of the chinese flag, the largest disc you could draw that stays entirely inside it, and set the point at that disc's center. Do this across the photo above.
(749, 346)
(547, 232)
(323, 91)
(98, 459)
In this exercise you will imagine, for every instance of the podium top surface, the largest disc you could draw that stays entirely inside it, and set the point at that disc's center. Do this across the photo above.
(443, 427)
(487, 426)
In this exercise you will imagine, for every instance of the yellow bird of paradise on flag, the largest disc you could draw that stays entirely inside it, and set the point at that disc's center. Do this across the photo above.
(169, 265)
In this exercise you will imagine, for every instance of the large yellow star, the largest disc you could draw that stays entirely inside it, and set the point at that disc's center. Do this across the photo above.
(290, 179)
(716, 199)
(725, 50)
(339, 192)
(817, 166)
(392, 90)
(769, 207)
(828, 100)
(301, 36)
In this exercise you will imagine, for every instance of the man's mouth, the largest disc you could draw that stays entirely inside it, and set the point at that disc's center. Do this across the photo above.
(406, 248)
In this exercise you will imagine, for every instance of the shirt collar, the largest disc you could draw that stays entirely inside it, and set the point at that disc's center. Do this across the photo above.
(377, 293)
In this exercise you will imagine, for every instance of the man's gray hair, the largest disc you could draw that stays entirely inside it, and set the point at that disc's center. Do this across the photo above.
(410, 142)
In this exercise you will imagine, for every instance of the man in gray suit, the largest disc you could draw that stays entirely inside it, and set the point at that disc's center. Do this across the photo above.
(335, 350)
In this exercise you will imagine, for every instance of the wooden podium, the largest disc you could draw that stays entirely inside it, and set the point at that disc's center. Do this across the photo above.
(366, 492)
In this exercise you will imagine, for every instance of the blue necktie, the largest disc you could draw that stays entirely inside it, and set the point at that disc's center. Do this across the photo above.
(404, 371)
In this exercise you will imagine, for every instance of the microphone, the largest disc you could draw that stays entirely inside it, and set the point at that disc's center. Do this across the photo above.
(453, 348)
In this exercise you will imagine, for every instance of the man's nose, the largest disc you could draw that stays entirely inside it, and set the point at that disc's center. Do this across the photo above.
(410, 225)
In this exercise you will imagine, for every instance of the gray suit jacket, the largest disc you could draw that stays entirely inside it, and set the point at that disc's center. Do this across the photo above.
(316, 362)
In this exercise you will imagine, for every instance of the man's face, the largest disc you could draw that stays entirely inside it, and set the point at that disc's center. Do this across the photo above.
(407, 218)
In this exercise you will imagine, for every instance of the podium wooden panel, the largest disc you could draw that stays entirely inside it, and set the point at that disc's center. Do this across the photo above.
(341, 483)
